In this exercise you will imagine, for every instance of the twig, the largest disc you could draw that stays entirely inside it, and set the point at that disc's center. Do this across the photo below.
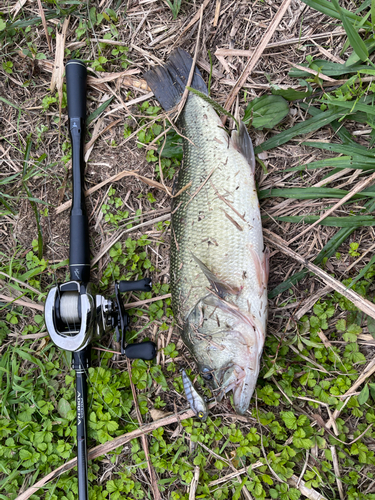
(113, 178)
(22, 303)
(194, 483)
(201, 186)
(146, 301)
(337, 472)
(368, 371)
(363, 304)
(102, 449)
(57, 79)
(95, 136)
(110, 243)
(217, 13)
(192, 69)
(151, 470)
(232, 475)
(304, 467)
(359, 187)
(22, 283)
(257, 53)
(43, 18)
(308, 492)
(313, 72)
(195, 19)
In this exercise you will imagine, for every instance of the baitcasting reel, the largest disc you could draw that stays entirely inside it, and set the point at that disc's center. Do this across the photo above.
(75, 317)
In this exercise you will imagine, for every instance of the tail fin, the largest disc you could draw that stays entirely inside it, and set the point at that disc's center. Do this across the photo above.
(168, 82)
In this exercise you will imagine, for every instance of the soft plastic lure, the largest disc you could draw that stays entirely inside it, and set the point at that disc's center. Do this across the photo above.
(196, 401)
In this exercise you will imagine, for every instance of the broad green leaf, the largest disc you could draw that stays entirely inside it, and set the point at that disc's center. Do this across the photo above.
(306, 127)
(363, 271)
(342, 133)
(351, 221)
(99, 110)
(63, 407)
(313, 193)
(289, 419)
(370, 45)
(292, 94)
(266, 111)
(332, 69)
(345, 149)
(172, 147)
(327, 8)
(364, 395)
(354, 39)
(352, 106)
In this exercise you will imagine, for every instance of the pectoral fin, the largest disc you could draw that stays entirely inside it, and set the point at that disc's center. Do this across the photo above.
(219, 286)
(242, 142)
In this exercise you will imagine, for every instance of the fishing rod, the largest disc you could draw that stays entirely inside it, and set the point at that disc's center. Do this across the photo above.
(74, 314)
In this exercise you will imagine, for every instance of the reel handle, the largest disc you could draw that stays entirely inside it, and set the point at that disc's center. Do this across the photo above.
(79, 251)
(144, 285)
(143, 350)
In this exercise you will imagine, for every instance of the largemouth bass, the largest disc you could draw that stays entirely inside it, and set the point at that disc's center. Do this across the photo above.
(219, 269)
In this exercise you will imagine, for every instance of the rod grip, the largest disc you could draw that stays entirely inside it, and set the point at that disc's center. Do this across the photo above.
(76, 78)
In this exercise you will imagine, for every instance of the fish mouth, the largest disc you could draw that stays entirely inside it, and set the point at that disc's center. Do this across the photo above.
(241, 381)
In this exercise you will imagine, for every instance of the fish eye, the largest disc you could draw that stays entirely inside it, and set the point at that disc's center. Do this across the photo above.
(200, 414)
(206, 374)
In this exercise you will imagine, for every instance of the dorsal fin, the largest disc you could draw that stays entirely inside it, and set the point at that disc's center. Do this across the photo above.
(242, 142)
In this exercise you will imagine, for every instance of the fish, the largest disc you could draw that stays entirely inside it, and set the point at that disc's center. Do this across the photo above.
(195, 400)
(218, 264)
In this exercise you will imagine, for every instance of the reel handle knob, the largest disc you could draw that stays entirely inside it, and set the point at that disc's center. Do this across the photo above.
(143, 350)
(136, 286)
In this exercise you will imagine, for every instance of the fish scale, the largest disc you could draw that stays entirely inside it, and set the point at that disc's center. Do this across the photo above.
(200, 224)
(219, 269)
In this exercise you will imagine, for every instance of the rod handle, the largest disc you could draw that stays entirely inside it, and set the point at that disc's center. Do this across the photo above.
(76, 78)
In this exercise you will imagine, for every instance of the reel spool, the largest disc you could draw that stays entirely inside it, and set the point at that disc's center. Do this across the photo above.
(70, 315)
(74, 316)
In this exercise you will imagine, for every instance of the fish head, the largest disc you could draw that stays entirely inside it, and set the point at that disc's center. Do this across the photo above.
(227, 346)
